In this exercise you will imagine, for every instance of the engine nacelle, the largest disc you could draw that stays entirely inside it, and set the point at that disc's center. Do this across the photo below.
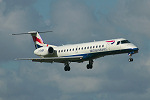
(44, 51)
(50, 50)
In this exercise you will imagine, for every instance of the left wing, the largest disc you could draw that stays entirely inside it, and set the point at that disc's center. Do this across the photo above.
(54, 59)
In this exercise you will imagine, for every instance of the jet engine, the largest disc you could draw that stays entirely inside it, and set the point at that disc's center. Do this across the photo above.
(50, 50)
(44, 51)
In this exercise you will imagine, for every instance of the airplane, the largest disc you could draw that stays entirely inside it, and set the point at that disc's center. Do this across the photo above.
(78, 52)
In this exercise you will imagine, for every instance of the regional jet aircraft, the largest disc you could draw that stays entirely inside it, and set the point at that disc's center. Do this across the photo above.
(79, 52)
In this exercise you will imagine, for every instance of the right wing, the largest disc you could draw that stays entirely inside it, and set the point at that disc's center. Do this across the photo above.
(55, 59)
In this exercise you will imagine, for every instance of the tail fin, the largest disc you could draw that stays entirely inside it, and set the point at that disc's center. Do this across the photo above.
(38, 42)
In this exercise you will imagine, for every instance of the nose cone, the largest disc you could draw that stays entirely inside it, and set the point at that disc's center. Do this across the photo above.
(134, 48)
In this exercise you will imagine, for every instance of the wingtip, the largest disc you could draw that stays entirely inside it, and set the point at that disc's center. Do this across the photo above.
(12, 34)
(16, 59)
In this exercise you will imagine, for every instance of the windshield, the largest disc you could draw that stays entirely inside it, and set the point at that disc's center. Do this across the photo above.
(124, 41)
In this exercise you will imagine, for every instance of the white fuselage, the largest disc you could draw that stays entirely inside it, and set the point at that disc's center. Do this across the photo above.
(90, 50)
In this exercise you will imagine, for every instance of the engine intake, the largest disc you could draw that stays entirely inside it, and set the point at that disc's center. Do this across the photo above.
(50, 50)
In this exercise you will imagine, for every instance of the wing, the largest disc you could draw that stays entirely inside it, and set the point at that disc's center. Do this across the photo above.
(55, 59)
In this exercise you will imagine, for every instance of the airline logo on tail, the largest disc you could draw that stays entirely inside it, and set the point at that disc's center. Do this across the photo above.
(35, 39)
(38, 42)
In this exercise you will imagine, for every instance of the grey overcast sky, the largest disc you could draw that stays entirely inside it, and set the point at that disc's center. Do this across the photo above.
(74, 21)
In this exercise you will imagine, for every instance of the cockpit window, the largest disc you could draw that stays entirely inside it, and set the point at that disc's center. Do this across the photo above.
(118, 42)
(124, 41)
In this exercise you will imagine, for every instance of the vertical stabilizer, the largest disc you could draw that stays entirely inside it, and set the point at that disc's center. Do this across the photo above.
(38, 42)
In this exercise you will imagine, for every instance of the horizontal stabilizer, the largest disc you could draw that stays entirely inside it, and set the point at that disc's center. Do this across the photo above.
(31, 32)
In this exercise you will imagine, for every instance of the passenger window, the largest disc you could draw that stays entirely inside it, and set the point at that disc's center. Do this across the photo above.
(93, 46)
(96, 46)
(90, 47)
(73, 49)
(61, 50)
(67, 50)
(102, 45)
(64, 50)
(87, 47)
(79, 48)
(76, 48)
(82, 48)
(99, 46)
(118, 42)
(70, 49)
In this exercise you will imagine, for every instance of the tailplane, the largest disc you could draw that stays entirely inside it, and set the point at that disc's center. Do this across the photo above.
(38, 42)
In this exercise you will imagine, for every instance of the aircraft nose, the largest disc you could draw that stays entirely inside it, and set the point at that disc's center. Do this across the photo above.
(135, 49)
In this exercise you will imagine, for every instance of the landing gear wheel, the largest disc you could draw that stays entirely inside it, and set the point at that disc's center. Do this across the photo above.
(90, 65)
(67, 68)
(130, 59)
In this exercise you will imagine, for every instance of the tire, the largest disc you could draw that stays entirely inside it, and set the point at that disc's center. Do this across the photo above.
(91, 66)
(67, 68)
(130, 59)
(88, 66)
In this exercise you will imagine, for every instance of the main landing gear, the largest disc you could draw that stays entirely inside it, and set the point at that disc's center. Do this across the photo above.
(67, 67)
(90, 65)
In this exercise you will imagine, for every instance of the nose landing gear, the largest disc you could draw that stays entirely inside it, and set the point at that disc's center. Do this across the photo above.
(130, 59)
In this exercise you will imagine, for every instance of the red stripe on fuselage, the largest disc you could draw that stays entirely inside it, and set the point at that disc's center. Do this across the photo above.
(37, 39)
(111, 41)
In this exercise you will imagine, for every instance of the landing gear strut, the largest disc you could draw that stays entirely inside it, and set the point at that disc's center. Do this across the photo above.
(90, 65)
(67, 67)
(130, 59)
